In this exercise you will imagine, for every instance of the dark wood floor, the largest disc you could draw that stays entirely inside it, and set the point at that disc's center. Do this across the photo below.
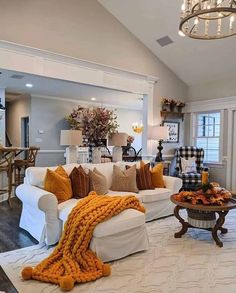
(11, 237)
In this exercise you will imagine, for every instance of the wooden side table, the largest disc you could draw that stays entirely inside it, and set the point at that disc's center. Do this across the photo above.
(203, 213)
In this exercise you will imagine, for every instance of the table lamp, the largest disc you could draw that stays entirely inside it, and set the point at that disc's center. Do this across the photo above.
(159, 133)
(72, 138)
(117, 140)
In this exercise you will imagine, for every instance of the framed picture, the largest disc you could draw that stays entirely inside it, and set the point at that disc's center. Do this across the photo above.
(173, 131)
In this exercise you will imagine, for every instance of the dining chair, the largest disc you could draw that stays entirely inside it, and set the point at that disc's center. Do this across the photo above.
(23, 164)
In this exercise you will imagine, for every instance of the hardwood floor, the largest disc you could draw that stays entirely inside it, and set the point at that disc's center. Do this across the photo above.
(11, 237)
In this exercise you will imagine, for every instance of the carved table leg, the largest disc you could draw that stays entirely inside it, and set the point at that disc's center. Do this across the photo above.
(181, 220)
(218, 226)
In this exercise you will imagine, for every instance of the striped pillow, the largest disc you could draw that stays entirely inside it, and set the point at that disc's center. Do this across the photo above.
(79, 182)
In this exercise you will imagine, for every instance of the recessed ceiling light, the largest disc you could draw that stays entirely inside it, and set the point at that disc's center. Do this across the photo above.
(28, 85)
(93, 99)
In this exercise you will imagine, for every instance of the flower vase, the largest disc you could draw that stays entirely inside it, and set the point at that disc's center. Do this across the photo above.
(172, 107)
(179, 109)
(96, 155)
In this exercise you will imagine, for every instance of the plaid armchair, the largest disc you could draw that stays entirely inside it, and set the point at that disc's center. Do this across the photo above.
(190, 180)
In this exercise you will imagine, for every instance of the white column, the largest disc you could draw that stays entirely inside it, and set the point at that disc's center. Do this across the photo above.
(147, 120)
(2, 118)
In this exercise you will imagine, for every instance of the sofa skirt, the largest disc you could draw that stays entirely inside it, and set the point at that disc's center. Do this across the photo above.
(120, 245)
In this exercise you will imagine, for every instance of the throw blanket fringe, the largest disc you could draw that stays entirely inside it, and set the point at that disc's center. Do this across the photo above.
(72, 261)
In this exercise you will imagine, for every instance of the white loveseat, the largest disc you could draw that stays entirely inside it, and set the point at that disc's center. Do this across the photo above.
(44, 218)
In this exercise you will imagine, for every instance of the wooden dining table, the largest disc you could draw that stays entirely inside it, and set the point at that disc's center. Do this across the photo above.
(7, 156)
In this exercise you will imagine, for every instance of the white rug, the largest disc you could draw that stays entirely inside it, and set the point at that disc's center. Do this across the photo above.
(192, 264)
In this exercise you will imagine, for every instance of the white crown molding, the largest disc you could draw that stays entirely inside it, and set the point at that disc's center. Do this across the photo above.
(48, 64)
(86, 103)
(211, 105)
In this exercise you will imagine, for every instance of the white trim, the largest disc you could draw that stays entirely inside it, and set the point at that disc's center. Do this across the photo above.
(51, 151)
(194, 137)
(230, 148)
(85, 103)
(48, 64)
(211, 105)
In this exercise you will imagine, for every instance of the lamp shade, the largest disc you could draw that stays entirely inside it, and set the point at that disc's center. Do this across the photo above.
(71, 137)
(158, 132)
(118, 139)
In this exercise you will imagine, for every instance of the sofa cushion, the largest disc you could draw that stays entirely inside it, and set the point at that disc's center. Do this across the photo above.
(58, 183)
(157, 176)
(105, 168)
(36, 175)
(126, 220)
(79, 182)
(98, 182)
(124, 180)
(152, 195)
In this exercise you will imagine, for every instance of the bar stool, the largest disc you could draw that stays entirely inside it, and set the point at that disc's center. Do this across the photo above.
(6, 158)
(20, 164)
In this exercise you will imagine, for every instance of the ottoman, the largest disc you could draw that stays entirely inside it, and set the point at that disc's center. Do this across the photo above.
(117, 237)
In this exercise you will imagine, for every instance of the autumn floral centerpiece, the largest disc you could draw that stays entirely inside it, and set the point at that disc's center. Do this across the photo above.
(96, 123)
(208, 194)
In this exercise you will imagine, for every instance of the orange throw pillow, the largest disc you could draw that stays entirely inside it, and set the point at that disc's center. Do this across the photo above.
(58, 183)
(144, 180)
(157, 176)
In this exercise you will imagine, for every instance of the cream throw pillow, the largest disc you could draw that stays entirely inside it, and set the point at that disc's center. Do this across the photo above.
(98, 182)
(189, 166)
(124, 180)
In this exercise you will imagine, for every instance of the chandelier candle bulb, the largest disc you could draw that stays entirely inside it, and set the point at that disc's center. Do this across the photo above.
(215, 19)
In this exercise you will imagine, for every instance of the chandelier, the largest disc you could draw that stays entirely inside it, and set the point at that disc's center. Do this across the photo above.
(208, 19)
(137, 127)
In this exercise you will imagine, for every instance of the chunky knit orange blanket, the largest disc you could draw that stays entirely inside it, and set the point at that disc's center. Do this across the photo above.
(72, 261)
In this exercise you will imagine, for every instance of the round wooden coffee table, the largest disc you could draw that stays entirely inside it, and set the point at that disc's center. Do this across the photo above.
(203, 217)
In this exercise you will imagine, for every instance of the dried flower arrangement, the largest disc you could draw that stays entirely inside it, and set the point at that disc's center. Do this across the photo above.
(170, 104)
(130, 139)
(208, 194)
(96, 123)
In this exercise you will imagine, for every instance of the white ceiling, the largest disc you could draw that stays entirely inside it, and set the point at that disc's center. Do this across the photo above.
(194, 61)
(68, 90)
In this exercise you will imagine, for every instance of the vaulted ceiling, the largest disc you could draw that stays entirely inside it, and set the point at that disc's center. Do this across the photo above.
(194, 61)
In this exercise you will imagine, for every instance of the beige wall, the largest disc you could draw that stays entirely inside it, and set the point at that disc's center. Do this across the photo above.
(84, 29)
(16, 110)
(212, 90)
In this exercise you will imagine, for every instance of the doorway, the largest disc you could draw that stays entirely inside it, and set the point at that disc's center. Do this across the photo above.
(25, 132)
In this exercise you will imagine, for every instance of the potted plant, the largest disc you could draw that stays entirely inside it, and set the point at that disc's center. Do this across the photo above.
(172, 105)
(179, 106)
(165, 104)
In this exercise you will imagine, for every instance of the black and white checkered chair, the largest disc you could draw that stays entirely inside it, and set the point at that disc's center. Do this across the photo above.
(190, 180)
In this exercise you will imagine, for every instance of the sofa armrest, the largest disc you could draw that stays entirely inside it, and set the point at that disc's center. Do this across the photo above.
(36, 197)
(173, 183)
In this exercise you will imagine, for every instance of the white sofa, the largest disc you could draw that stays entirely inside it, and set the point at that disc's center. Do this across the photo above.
(44, 218)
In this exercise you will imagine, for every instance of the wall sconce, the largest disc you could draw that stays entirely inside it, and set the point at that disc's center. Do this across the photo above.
(137, 127)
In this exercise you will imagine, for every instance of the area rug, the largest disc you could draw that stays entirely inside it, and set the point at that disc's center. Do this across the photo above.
(192, 264)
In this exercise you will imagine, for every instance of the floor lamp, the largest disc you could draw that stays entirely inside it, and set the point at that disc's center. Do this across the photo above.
(159, 133)
(117, 140)
(72, 138)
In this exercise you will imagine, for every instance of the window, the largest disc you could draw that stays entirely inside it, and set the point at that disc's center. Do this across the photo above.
(207, 135)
